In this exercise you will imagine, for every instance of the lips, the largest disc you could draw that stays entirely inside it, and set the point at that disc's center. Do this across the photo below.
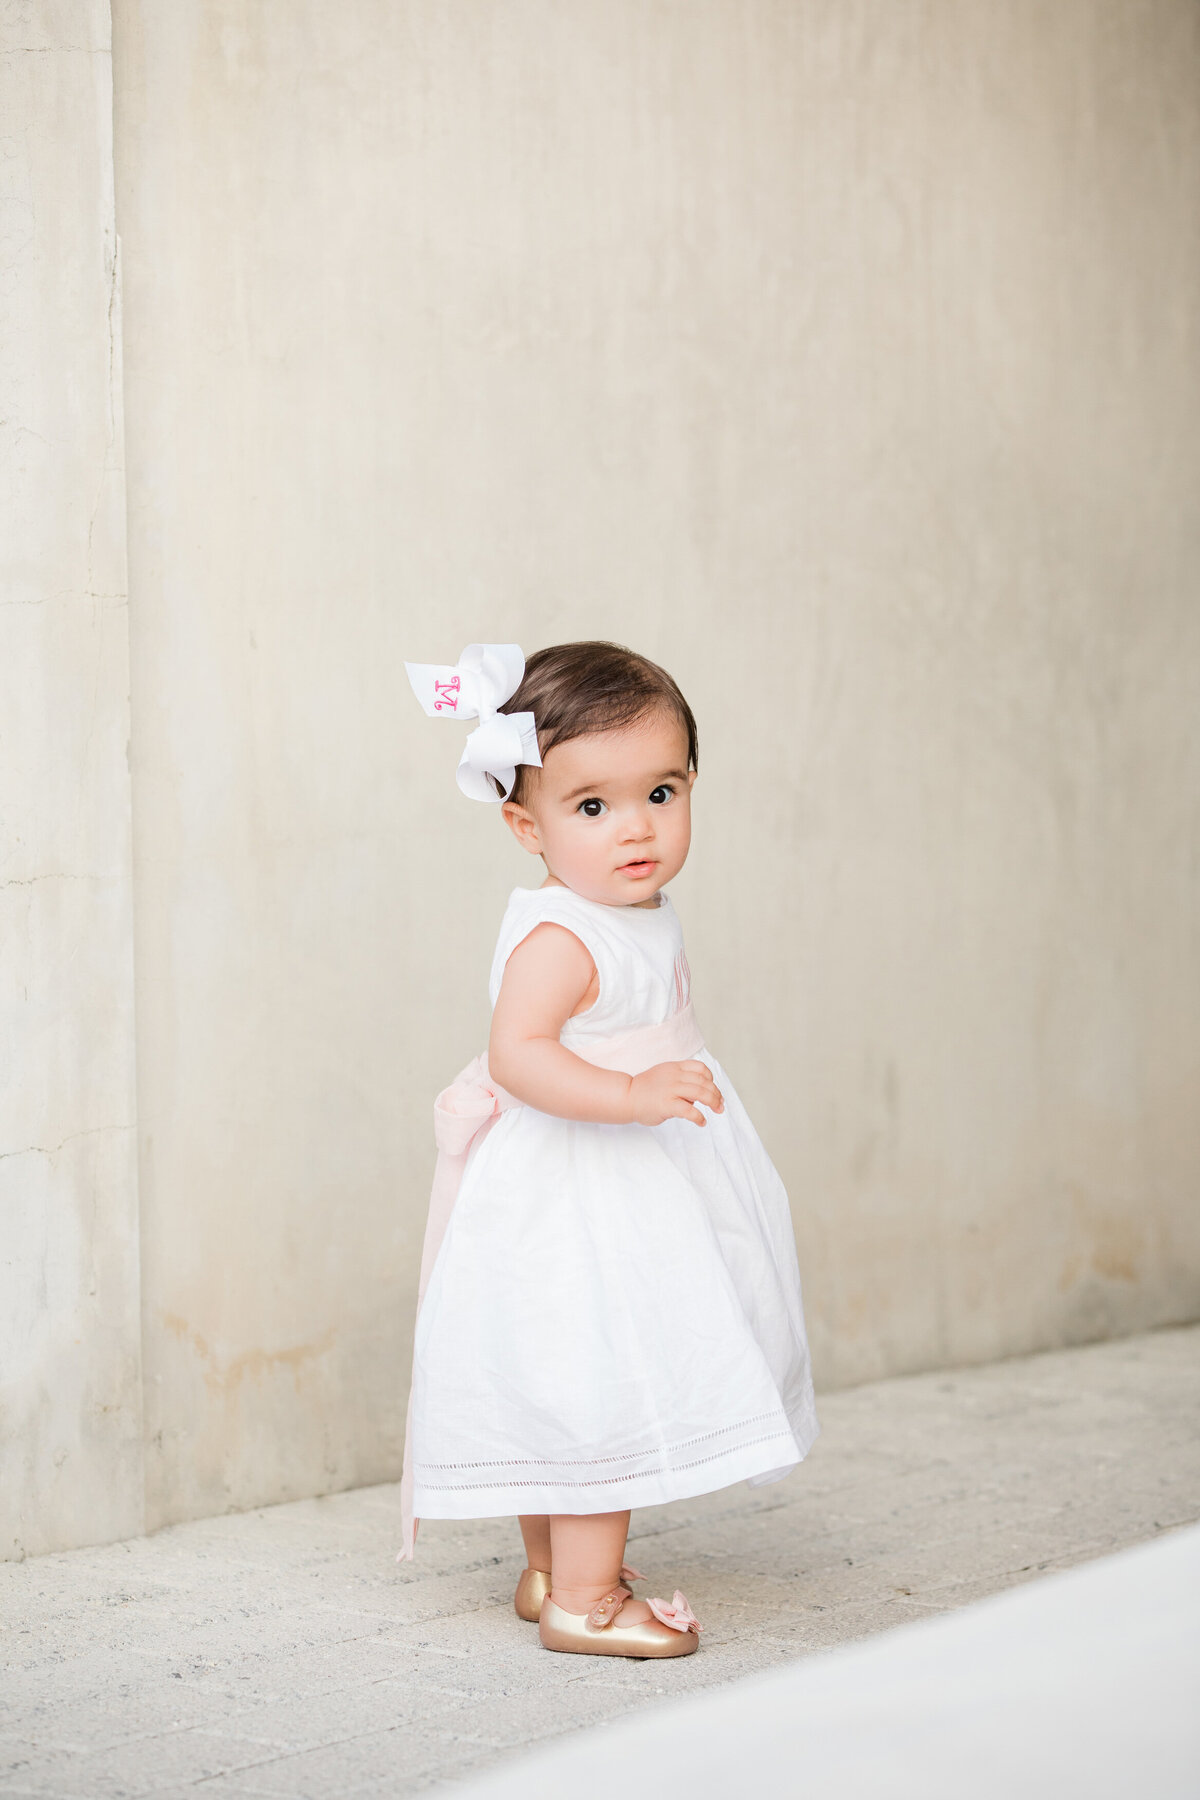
(642, 867)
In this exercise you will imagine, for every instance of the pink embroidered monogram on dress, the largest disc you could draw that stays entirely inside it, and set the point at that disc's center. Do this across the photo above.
(683, 980)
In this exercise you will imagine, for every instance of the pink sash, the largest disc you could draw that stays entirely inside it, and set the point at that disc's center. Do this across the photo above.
(465, 1112)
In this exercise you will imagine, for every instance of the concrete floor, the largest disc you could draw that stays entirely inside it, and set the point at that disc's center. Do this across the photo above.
(284, 1653)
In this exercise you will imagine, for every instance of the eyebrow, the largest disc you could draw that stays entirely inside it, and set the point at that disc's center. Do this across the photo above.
(592, 787)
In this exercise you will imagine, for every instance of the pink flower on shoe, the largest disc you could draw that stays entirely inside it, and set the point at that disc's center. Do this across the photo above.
(679, 1615)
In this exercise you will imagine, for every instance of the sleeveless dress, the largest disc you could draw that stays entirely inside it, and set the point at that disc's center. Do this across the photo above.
(611, 1314)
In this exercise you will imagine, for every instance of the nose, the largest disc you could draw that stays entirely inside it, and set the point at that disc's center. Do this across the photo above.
(637, 825)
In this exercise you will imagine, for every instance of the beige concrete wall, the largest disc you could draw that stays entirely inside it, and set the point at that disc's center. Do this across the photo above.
(70, 1404)
(843, 357)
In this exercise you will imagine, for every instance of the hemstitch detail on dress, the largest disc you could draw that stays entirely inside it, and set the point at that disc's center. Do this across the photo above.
(576, 1462)
(466, 1487)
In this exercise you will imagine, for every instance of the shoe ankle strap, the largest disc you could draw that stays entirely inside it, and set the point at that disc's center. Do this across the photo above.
(606, 1610)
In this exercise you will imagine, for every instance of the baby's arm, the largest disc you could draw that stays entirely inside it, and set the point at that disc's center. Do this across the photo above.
(544, 980)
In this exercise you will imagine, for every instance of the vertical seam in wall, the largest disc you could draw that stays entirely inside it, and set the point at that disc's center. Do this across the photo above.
(116, 403)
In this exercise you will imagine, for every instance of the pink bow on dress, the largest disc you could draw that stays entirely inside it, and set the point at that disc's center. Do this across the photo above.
(679, 1615)
(462, 1114)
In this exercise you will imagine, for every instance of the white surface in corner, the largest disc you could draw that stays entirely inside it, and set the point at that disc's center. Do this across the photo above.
(1083, 1683)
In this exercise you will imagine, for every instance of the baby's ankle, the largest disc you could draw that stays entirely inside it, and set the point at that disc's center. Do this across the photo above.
(578, 1599)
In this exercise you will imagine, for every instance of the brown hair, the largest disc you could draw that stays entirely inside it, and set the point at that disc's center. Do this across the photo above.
(575, 689)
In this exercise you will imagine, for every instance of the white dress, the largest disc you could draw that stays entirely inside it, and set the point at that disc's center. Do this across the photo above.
(614, 1315)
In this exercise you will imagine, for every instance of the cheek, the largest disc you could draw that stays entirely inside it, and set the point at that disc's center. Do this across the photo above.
(575, 835)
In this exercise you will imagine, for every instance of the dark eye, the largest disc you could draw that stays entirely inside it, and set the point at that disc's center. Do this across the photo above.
(666, 792)
(587, 806)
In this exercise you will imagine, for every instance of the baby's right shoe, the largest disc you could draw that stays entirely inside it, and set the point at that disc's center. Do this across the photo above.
(673, 1631)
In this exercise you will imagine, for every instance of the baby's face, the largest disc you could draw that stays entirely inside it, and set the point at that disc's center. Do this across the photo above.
(611, 814)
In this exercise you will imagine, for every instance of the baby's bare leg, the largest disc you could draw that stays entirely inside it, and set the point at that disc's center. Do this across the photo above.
(535, 1529)
(588, 1550)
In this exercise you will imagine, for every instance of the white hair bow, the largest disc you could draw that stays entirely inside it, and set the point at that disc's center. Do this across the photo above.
(474, 688)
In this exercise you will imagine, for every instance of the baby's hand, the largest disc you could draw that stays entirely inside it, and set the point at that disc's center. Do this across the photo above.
(674, 1090)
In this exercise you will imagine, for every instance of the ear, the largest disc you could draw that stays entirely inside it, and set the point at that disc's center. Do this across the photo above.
(523, 826)
(691, 778)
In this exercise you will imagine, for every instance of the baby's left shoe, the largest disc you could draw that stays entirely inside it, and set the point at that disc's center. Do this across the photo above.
(534, 1585)
(532, 1589)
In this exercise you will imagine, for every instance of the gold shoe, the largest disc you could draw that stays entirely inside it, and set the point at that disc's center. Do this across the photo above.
(594, 1634)
(534, 1585)
(532, 1589)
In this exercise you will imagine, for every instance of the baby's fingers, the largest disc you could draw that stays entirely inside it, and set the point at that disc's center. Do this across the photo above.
(707, 1093)
(697, 1079)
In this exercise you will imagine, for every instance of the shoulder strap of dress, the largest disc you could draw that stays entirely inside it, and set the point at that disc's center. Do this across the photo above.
(552, 905)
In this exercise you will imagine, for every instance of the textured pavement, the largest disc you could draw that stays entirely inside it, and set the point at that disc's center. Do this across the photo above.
(285, 1653)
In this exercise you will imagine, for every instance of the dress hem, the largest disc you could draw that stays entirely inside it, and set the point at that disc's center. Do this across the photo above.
(756, 1464)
